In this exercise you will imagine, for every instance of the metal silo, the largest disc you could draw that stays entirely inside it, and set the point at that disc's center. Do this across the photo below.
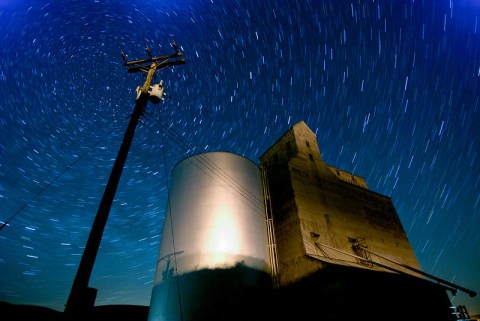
(214, 240)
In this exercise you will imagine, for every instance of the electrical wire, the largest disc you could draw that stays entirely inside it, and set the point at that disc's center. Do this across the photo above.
(212, 169)
(43, 189)
(173, 235)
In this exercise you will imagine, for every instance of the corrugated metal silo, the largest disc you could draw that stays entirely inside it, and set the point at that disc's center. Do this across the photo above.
(214, 236)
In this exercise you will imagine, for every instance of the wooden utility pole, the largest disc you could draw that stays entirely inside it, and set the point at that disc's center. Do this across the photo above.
(82, 298)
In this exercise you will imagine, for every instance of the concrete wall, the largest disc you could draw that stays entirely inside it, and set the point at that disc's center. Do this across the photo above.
(319, 211)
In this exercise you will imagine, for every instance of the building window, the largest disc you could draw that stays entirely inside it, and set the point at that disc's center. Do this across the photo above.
(311, 157)
(289, 148)
(327, 218)
(307, 143)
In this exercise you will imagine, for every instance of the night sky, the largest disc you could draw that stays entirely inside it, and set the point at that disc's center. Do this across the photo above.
(391, 89)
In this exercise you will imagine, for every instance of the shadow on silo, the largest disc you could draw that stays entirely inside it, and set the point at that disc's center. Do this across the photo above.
(335, 293)
(236, 293)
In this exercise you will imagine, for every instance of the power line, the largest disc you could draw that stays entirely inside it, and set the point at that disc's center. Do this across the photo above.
(82, 297)
(43, 189)
(207, 166)
(173, 234)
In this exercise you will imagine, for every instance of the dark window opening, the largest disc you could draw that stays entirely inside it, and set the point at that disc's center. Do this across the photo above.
(311, 157)
(289, 148)
(327, 218)
(307, 143)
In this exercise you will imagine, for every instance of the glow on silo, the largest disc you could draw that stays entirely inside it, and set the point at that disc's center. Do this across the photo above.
(215, 220)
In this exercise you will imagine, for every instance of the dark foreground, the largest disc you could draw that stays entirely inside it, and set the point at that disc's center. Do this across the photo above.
(333, 294)
(13, 312)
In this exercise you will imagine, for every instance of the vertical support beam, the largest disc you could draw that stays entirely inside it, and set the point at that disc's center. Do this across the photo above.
(272, 246)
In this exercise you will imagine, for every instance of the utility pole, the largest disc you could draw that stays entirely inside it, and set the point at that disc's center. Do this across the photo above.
(82, 298)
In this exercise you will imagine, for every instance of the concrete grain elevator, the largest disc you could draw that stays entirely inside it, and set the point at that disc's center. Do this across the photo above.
(293, 238)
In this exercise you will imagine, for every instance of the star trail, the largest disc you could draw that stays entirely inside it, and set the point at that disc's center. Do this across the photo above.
(390, 88)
